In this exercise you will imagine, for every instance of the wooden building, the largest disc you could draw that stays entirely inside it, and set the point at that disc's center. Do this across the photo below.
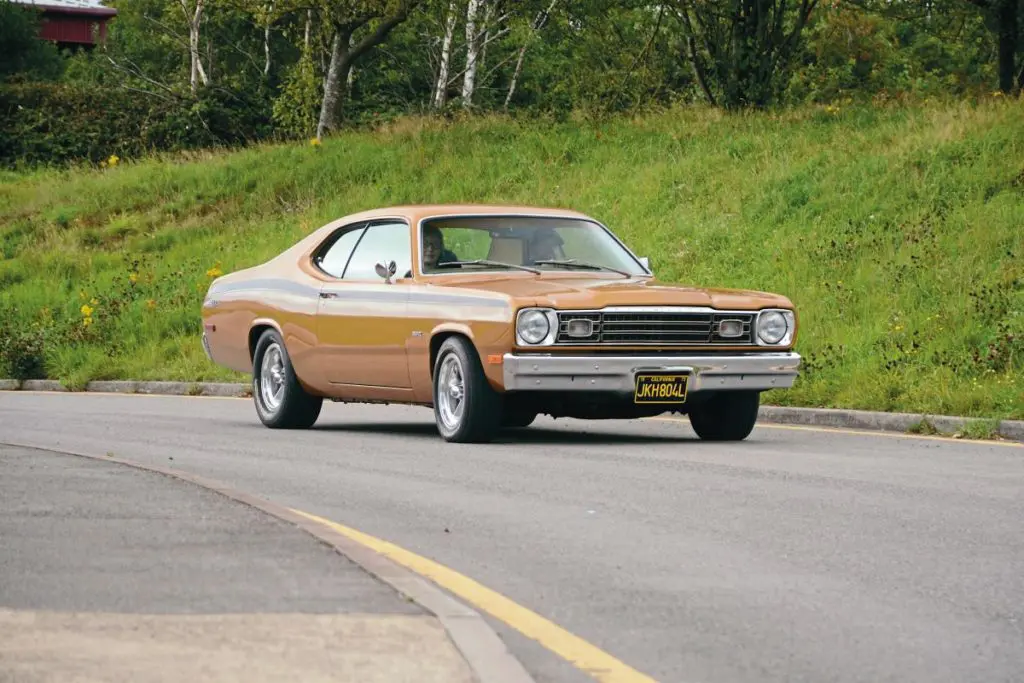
(72, 23)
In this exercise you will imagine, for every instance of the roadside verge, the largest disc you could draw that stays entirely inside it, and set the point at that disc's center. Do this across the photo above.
(911, 423)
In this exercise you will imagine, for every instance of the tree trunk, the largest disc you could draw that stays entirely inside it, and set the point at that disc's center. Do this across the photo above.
(309, 23)
(194, 19)
(337, 72)
(266, 41)
(344, 54)
(537, 23)
(472, 52)
(440, 97)
(1007, 45)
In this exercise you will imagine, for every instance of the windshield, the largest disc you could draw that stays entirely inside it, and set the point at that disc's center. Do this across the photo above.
(495, 243)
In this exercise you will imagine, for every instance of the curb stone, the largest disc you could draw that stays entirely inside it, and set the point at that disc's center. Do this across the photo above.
(817, 417)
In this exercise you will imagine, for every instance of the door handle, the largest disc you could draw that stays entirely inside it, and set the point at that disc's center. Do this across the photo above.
(328, 295)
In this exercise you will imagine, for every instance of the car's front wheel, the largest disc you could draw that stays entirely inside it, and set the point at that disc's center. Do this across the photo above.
(281, 402)
(727, 416)
(466, 408)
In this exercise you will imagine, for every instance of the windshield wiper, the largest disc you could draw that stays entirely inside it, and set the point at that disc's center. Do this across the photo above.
(485, 262)
(581, 264)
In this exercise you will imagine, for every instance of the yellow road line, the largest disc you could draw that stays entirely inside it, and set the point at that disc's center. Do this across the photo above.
(864, 432)
(586, 657)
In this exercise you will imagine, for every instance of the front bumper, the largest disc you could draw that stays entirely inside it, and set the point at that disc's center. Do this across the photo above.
(753, 371)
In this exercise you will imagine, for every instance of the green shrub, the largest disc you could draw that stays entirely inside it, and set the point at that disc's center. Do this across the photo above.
(21, 350)
(52, 123)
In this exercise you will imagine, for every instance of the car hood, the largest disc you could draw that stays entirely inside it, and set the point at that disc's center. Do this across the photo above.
(591, 293)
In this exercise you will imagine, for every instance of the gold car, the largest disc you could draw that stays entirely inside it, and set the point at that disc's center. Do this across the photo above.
(493, 315)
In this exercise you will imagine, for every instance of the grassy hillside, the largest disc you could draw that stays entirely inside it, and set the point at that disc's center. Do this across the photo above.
(899, 234)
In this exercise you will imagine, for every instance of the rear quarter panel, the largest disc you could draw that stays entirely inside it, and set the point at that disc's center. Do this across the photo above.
(262, 296)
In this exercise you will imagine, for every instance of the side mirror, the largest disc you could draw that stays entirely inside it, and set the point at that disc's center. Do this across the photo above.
(386, 272)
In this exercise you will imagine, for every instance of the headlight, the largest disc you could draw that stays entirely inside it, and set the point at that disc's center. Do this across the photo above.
(533, 326)
(775, 327)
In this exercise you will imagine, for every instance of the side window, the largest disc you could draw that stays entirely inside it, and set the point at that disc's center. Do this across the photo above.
(382, 243)
(334, 260)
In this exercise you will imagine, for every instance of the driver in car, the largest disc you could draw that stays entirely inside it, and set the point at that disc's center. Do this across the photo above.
(433, 248)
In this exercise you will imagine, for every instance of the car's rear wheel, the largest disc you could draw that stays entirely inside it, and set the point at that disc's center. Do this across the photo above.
(281, 402)
(466, 408)
(727, 416)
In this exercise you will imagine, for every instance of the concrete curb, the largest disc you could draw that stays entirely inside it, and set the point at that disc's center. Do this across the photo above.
(817, 417)
(486, 654)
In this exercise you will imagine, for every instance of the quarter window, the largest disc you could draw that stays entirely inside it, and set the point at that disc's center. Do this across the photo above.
(381, 243)
(334, 261)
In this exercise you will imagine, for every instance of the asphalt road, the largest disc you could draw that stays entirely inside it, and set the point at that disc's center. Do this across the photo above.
(794, 556)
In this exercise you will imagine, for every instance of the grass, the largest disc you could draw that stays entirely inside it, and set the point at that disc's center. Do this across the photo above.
(898, 232)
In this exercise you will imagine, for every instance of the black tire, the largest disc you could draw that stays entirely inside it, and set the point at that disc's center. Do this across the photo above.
(728, 416)
(293, 408)
(517, 419)
(480, 414)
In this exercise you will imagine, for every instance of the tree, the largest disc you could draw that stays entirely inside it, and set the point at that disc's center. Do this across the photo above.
(372, 20)
(23, 52)
(741, 50)
(1003, 18)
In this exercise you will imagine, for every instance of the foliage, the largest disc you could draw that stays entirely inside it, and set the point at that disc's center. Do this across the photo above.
(741, 50)
(21, 349)
(853, 53)
(296, 109)
(24, 56)
(894, 229)
(58, 123)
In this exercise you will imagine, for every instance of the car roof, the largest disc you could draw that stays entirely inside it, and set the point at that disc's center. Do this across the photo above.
(416, 212)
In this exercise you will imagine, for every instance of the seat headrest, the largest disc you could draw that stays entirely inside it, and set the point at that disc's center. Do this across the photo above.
(509, 250)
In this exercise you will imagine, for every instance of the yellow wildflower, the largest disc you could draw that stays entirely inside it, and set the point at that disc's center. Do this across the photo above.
(113, 159)
(94, 302)
(315, 142)
(133, 278)
(86, 310)
(215, 271)
(86, 322)
(150, 304)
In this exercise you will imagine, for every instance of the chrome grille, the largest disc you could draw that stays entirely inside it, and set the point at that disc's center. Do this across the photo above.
(645, 328)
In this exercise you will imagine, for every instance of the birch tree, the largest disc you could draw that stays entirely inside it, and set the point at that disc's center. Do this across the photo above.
(193, 18)
(472, 52)
(440, 94)
(537, 24)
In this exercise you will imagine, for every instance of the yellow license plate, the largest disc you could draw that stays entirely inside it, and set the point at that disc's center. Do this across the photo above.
(660, 388)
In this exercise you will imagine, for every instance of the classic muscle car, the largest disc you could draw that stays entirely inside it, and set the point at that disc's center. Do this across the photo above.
(493, 315)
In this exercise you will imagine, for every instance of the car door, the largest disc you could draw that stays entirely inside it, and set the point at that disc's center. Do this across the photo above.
(362, 323)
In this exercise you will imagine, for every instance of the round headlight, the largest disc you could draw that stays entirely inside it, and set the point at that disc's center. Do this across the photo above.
(533, 326)
(772, 327)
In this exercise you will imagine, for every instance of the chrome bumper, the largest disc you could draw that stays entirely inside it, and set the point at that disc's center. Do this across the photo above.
(760, 371)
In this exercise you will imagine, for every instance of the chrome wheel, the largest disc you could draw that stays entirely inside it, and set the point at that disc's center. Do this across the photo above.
(451, 392)
(272, 377)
